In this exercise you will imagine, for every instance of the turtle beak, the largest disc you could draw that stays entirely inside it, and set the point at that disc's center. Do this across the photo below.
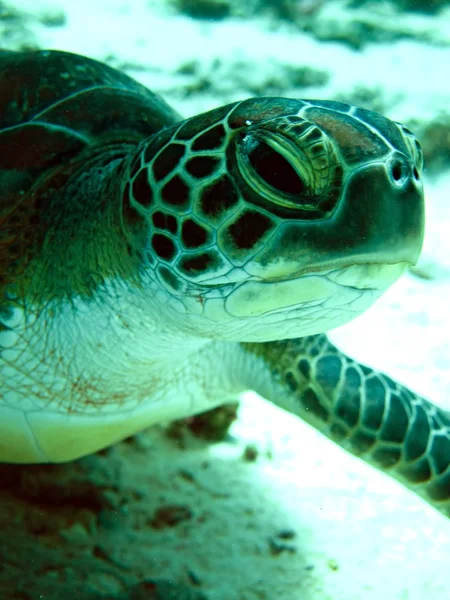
(383, 218)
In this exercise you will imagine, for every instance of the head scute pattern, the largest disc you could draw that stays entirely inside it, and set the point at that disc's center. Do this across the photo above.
(226, 180)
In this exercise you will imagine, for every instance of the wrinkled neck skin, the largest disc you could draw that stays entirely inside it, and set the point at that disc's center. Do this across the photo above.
(77, 242)
(124, 328)
(99, 302)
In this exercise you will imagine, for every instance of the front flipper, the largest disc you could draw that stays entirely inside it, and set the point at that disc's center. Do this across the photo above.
(365, 412)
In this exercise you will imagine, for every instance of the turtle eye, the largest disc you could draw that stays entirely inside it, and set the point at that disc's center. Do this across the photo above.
(275, 170)
(292, 169)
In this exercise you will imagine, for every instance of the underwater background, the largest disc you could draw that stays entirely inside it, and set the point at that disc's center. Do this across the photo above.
(271, 511)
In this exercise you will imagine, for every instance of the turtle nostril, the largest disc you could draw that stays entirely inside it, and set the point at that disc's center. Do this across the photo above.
(400, 171)
(416, 174)
(397, 171)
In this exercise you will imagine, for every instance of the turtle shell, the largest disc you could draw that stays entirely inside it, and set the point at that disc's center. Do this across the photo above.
(53, 107)
(52, 104)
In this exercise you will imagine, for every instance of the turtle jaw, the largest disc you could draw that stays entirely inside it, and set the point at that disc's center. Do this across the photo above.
(312, 303)
(262, 311)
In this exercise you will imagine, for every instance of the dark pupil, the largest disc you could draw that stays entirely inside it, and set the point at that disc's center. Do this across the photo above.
(275, 169)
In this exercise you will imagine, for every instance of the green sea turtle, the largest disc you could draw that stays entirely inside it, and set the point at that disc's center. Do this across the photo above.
(153, 268)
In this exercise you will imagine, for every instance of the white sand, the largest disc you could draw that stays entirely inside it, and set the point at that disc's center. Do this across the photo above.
(358, 534)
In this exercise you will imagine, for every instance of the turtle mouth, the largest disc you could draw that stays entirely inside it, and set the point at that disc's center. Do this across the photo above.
(356, 286)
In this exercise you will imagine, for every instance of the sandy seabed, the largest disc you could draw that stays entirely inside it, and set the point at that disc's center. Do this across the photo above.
(303, 521)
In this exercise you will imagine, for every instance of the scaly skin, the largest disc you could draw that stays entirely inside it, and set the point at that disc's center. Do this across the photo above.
(362, 410)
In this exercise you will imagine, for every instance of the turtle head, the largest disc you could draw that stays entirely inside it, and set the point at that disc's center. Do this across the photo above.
(274, 218)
